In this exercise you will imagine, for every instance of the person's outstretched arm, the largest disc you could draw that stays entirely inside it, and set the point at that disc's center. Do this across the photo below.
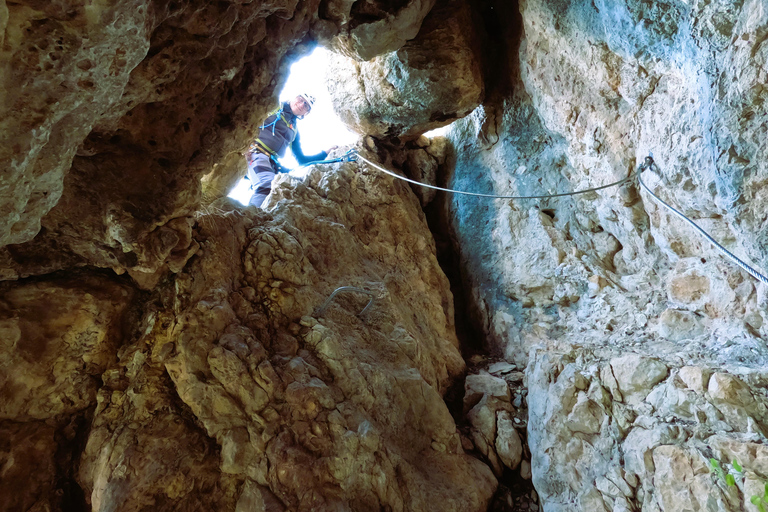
(301, 157)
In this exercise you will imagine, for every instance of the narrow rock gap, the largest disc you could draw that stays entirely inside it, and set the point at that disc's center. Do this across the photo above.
(71, 440)
(503, 42)
(468, 331)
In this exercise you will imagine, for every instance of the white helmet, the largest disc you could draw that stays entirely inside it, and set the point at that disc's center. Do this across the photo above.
(309, 98)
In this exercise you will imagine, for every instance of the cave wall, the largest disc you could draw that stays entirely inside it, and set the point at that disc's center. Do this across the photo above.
(165, 348)
(114, 112)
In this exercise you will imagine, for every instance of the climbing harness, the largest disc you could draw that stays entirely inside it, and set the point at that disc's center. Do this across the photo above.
(628, 178)
(259, 146)
(327, 302)
(647, 164)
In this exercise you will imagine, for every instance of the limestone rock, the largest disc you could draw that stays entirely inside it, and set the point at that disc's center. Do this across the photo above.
(684, 482)
(313, 408)
(636, 374)
(525, 470)
(695, 378)
(665, 444)
(432, 80)
(371, 28)
(508, 444)
(593, 89)
(680, 325)
(143, 439)
(599, 85)
(114, 113)
(228, 383)
(62, 70)
(494, 421)
(56, 339)
(479, 385)
(724, 388)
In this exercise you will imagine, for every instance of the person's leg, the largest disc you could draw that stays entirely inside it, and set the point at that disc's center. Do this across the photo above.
(257, 199)
(260, 174)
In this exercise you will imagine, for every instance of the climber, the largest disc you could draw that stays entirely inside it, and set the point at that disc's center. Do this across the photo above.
(275, 135)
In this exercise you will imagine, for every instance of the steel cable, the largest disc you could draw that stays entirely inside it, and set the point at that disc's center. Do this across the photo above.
(628, 178)
(345, 289)
(750, 270)
(645, 165)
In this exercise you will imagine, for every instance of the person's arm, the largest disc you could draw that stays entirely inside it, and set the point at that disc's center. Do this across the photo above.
(301, 157)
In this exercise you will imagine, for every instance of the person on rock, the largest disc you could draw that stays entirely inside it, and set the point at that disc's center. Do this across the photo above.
(275, 135)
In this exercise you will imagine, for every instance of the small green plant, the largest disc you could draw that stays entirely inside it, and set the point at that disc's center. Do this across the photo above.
(730, 480)
(761, 501)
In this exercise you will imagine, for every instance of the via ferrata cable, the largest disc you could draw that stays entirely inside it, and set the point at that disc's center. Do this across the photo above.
(647, 164)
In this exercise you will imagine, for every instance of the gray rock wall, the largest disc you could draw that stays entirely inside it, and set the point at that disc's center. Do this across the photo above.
(570, 286)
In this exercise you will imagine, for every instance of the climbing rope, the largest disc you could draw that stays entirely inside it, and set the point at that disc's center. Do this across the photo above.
(649, 163)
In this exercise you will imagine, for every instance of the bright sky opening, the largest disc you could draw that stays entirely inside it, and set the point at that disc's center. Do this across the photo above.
(321, 129)
(438, 132)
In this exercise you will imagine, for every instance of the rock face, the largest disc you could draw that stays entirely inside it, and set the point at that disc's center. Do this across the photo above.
(112, 114)
(431, 81)
(58, 338)
(372, 27)
(162, 348)
(603, 439)
(631, 326)
(246, 387)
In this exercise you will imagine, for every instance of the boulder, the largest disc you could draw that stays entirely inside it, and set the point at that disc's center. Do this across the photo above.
(371, 28)
(289, 398)
(636, 375)
(434, 79)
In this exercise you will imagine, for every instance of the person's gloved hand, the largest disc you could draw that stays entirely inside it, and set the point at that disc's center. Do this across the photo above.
(331, 149)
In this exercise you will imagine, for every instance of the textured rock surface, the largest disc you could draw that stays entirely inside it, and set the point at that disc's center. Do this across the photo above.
(57, 339)
(112, 114)
(188, 364)
(432, 80)
(597, 86)
(594, 447)
(586, 250)
(372, 27)
(314, 411)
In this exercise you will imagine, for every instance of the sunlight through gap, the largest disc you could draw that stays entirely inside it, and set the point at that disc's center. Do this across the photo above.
(321, 129)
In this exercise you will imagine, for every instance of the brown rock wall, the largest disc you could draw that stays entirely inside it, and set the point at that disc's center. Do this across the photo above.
(373, 27)
(112, 127)
(434, 79)
(314, 410)
(57, 340)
